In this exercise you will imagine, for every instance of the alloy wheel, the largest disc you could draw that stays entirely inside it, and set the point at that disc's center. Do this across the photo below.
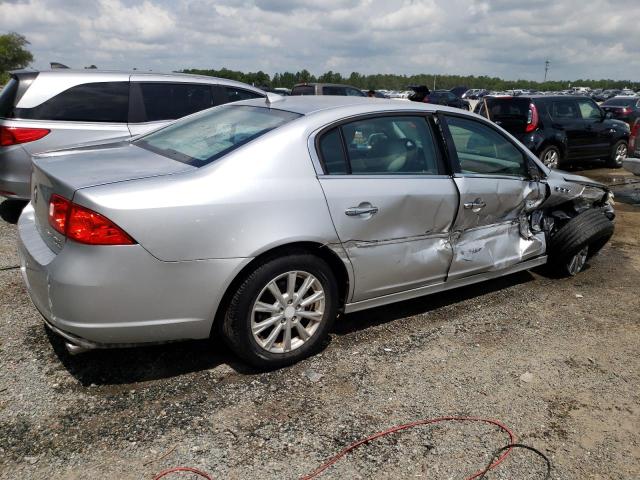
(551, 158)
(288, 312)
(577, 262)
(621, 153)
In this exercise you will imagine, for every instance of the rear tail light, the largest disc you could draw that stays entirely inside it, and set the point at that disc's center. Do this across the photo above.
(633, 136)
(426, 99)
(626, 110)
(15, 135)
(83, 225)
(532, 118)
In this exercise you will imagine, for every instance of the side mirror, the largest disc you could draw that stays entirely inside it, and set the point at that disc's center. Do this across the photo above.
(533, 171)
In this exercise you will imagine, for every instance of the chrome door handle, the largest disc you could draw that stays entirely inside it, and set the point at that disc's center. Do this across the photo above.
(357, 211)
(476, 205)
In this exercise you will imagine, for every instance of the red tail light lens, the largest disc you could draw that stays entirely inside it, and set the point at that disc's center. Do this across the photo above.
(633, 136)
(58, 212)
(15, 135)
(532, 119)
(83, 225)
(626, 110)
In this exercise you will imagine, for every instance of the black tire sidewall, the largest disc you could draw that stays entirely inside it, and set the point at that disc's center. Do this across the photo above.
(237, 323)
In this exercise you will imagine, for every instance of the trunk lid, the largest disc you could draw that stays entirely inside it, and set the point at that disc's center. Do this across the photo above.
(66, 171)
(511, 113)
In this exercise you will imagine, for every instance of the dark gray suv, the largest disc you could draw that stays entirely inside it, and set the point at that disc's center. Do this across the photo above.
(48, 110)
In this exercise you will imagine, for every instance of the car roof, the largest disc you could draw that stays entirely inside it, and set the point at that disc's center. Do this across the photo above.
(124, 75)
(325, 84)
(309, 104)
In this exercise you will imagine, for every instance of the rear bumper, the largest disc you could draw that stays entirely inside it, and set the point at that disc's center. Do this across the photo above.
(15, 172)
(632, 165)
(99, 297)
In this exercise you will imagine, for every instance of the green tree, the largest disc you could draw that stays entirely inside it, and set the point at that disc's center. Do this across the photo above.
(13, 54)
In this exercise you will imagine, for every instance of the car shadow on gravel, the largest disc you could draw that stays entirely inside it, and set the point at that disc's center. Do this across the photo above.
(395, 311)
(130, 365)
(140, 364)
(10, 210)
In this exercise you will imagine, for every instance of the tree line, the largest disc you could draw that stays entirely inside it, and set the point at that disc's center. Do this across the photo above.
(400, 82)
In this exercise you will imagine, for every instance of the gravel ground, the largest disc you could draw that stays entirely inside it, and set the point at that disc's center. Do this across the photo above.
(556, 359)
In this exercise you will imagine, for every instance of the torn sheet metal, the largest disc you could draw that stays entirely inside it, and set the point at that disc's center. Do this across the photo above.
(493, 247)
(501, 233)
(390, 266)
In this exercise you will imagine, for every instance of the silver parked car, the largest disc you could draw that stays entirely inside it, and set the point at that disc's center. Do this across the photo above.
(48, 110)
(263, 220)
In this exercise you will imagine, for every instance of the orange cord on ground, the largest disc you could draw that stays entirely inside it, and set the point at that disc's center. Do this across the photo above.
(397, 428)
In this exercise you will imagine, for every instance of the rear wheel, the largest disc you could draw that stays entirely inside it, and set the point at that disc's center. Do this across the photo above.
(550, 156)
(282, 311)
(618, 154)
(580, 238)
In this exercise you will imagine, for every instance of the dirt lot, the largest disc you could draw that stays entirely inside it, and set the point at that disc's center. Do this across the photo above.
(555, 359)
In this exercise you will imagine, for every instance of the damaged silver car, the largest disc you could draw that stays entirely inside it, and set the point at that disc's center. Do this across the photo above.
(262, 221)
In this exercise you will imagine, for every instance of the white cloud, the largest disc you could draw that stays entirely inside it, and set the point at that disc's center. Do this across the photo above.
(508, 38)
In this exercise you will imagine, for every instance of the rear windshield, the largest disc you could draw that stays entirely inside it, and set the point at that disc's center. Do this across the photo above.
(622, 102)
(8, 97)
(205, 137)
(508, 108)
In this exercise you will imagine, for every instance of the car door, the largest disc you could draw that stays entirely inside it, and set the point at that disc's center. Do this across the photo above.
(390, 200)
(491, 173)
(598, 135)
(154, 104)
(565, 117)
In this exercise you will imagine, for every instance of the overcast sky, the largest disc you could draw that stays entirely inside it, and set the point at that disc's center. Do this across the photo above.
(505, 38)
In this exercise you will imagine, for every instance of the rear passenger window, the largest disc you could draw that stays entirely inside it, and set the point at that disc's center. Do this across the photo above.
(482, 150)
(169, 101)
(564, 109)
(381, 146)
(332, 153)
(90, 102)
(7, 97)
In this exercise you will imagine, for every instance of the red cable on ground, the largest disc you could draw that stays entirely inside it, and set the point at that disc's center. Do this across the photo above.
(406, 426)
(183, 469)
(397, 428)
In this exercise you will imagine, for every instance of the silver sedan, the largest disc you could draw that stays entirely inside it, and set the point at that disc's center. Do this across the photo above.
(264, 220)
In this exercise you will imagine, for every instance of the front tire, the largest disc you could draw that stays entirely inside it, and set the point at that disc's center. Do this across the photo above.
(282, 311)
(618, 154)
(577, 240)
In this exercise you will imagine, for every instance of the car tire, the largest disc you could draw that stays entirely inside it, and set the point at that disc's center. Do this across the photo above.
(254, 305)
(551, 156)
(579, 239)
(618, 154)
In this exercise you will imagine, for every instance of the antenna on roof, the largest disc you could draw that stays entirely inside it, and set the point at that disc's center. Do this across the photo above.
(273, 98)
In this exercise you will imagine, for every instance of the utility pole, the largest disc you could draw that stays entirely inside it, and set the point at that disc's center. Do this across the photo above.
(546, 69)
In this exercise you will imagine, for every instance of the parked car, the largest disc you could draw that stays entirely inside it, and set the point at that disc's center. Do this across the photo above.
(260, 221)
(632, 162)
(475, 94)
(560, 129)
(326, 89)
(626, 109)
(54, 109)
(445, 97)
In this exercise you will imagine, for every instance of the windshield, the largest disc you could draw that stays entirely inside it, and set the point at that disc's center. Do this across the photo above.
(203, 138)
